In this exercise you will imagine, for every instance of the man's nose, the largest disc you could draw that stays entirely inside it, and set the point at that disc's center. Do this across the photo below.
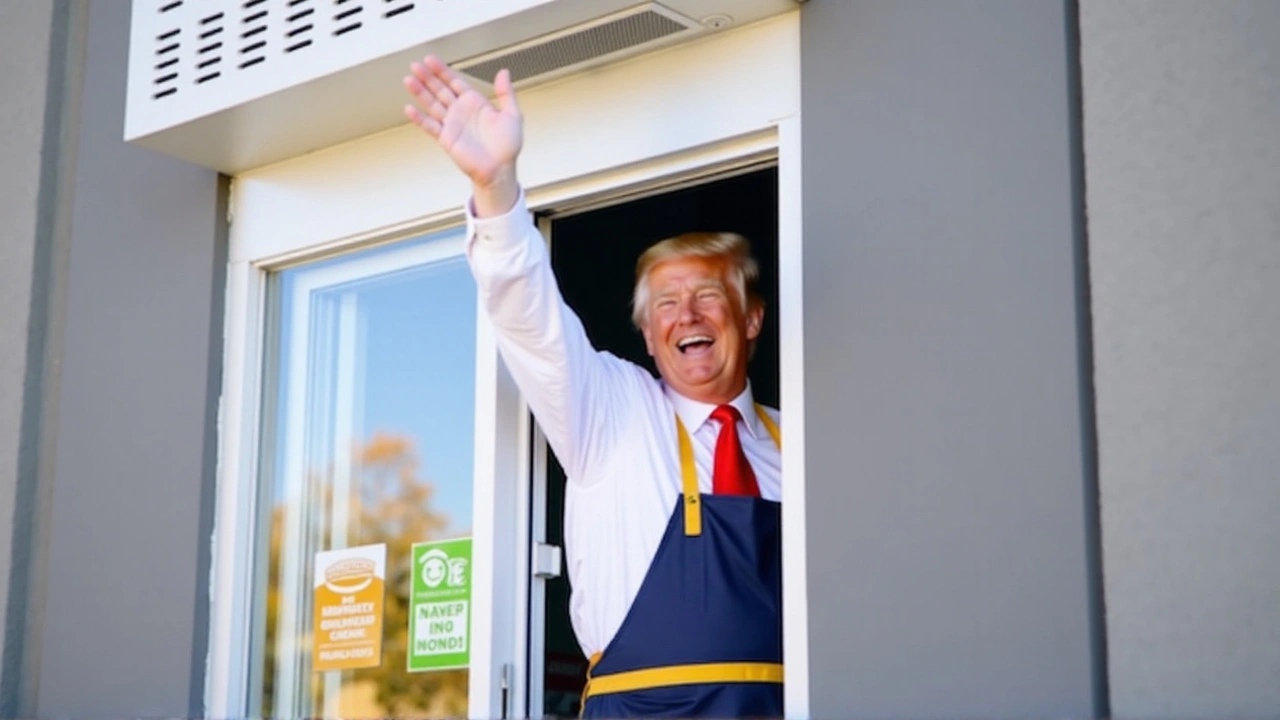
(688, 311)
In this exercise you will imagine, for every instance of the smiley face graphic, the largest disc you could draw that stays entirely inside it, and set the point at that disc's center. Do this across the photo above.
(435, 565)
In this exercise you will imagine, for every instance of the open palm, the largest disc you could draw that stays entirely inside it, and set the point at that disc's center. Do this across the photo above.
(481, 137)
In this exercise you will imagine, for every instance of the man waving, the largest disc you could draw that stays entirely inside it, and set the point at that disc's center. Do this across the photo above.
(672, 520)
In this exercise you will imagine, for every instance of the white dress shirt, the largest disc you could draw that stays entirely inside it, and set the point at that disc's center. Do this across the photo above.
(609, 422)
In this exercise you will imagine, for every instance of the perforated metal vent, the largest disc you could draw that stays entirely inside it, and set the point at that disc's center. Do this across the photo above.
(396, 7)
(165, 77)
(237, 84)
(347, 16)
(299, 23)
(210, 38)
(200, 41)
(629, 31)
(253, 38)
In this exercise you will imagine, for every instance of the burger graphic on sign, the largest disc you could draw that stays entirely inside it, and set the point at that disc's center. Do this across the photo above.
(350, 575)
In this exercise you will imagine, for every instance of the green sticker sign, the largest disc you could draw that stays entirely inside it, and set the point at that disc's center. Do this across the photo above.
(440, 606)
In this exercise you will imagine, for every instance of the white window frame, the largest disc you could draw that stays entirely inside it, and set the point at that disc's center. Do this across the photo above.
(392, 186)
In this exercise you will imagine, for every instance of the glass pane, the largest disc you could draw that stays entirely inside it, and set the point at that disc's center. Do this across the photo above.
(367, 438)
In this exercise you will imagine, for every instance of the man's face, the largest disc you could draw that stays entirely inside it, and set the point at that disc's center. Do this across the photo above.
(697, 331)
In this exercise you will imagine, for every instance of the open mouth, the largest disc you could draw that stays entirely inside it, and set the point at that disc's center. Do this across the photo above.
(694, 344)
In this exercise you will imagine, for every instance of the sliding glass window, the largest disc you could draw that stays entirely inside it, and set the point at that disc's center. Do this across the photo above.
(368, 424)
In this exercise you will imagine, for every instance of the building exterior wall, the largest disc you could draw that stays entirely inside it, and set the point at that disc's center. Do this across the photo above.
(113, 604)
(32, 38)
(24, 43)
(948, 454)
(1182, 147)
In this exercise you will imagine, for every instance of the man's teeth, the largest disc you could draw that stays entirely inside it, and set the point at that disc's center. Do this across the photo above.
(686, 342)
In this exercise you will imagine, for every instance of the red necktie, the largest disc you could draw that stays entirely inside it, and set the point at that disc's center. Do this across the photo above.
(732, 474)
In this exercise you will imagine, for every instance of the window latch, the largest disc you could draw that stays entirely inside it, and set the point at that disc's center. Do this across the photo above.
(546, 561)
(506, 688)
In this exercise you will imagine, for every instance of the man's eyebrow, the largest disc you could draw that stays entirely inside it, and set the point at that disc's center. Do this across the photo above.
(674, 289)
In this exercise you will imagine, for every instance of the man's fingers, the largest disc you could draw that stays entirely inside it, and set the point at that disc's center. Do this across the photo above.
(426, 74)
(440, 90)
(418, 90)
(432, 126)
(447, 74)
(421, 72)
(504, 95)
(426, 100)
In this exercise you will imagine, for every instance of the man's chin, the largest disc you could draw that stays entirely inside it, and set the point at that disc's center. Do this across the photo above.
(692, 384)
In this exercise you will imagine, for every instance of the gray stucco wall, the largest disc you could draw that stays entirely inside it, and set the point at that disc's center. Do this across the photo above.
(115, 610)
(24, 43)
(948, 454)
(1182, 141)
(40, 41)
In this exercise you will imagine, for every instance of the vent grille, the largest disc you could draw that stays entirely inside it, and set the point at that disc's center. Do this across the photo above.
(347, 16)
(561, 52)
(210, 41)
(235, 84)
(167, 59)
(396, 7)
(299, 24)
(198, 42)
(253, 33)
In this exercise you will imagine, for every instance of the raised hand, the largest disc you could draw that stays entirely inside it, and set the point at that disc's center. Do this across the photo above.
(482, 138)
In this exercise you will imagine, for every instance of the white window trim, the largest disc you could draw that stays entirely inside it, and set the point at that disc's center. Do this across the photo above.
(294, 210)
(795, 568)
(230, 598)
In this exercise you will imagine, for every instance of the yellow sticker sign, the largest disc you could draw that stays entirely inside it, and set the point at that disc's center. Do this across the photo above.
(349, 590)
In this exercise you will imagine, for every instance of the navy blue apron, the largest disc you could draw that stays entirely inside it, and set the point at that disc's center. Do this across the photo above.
(703, 637)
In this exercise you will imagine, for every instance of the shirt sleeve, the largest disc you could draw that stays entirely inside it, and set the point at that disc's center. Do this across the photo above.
(570, 387)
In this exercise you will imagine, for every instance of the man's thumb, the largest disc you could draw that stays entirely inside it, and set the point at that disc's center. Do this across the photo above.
(504, 94)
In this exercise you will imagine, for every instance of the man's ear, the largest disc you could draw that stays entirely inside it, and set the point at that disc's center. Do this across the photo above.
(755, 320)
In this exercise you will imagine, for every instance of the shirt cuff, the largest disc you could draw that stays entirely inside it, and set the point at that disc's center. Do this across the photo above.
(499, 230)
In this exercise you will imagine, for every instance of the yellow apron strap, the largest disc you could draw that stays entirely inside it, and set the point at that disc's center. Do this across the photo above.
(731, 672)
(586, 689)
(689, 483)
(770, 425)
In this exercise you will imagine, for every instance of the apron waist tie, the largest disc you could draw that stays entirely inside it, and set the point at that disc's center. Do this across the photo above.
(669, 675)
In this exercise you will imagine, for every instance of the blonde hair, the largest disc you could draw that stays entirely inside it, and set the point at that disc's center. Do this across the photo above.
(733, 248)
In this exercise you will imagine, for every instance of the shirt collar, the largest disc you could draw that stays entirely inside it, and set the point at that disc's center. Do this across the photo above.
(694, 413)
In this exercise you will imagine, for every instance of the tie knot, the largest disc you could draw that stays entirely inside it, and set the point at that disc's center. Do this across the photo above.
(732, 473)
(726, 414)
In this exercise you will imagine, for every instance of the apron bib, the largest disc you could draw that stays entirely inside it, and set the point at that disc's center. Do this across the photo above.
(703, 637)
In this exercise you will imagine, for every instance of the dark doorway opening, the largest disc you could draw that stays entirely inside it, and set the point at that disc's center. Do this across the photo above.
(594, 254)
